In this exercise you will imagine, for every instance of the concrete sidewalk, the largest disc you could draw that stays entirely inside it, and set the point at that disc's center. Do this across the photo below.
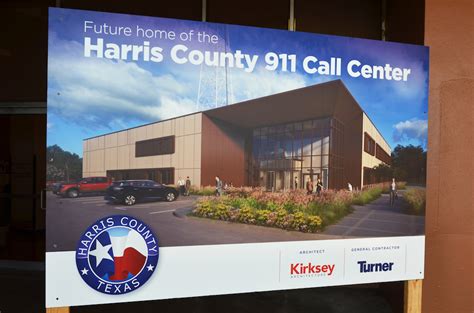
(379, 219)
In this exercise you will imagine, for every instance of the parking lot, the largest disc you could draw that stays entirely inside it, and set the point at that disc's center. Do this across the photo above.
(68, 218)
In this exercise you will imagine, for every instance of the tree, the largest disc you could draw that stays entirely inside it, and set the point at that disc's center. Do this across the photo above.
(409, 163)
(383, 172)
(62, 165)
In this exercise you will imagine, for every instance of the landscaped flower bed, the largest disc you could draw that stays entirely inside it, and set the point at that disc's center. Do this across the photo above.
(292, 210)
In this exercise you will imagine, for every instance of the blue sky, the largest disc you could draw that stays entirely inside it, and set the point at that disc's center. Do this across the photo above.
(92, 96)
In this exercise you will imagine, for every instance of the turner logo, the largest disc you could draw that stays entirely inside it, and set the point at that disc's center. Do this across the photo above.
(309, 269)
(117, 254)
(365, 267)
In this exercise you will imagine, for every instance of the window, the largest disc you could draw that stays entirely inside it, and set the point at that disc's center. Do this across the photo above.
(158, 175)
(157, 146)
(293, 150)
(382, 155)
(369, 144)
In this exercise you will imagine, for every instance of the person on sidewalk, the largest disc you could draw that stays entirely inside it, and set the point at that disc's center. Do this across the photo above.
(181, 186)
(319, 187)
(219, 186)
(393, 192)
(187, 186)
(309, 186)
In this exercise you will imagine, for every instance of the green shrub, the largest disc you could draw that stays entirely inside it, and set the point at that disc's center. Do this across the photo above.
(366, 196)
(203, 191)
(416, 198)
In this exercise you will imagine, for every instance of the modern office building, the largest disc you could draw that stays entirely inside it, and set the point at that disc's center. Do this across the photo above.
(278, 142)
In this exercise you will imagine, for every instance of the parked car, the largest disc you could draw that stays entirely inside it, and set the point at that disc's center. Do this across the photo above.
(88, 185)
(56, 187)
(130, 192)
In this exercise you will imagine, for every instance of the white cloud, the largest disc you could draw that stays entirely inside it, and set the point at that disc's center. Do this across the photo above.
(413, 129)
(98, 93)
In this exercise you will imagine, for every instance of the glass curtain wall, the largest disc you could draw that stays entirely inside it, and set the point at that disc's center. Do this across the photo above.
(286, 156)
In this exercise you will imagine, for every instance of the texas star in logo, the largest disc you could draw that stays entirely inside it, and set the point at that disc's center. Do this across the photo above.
(117, 254)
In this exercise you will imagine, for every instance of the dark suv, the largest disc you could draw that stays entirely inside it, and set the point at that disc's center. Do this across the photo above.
(130, 192)
(88, 185)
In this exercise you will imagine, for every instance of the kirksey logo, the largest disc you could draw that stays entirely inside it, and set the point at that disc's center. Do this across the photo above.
(311, 269)
(365, 267)
(117, 254)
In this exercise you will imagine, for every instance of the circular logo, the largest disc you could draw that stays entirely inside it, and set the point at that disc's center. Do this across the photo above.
(117, 254)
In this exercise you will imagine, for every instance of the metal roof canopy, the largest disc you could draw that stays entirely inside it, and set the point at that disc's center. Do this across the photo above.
(317, 101)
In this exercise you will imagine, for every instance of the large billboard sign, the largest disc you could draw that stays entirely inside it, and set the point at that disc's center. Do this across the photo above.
(189, 159)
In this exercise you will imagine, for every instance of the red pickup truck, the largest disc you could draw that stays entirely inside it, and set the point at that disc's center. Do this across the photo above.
(88, 185)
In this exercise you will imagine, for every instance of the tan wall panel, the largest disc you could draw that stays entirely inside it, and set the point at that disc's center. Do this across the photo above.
(167, 161)
(96, 161)
(85, 145)
(131, 136)
(168, 128)
(85, 162)
(122, 138)
(120, 151)
(92, 144)
(158, 161)
(188, 151)
(111, 140)
(180, 153)
(189, 124)
(149, 131)
(96, 173)
(123, 157)
(101, 142)
(144, 162)
(157, 130)
(197, 123)
(111, 158)
(196, 181)
(140, 133)
(179, 126)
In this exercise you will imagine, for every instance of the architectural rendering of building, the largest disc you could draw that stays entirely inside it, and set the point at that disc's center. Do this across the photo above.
(277, 142)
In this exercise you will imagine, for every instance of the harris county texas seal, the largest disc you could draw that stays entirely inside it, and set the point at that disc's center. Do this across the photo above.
(117, 254)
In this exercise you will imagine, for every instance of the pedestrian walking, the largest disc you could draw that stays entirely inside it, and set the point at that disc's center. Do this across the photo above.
(219, 186)
(181, 186)
(319, 187)
(187, 185)
(309, 186)
(393, 192)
